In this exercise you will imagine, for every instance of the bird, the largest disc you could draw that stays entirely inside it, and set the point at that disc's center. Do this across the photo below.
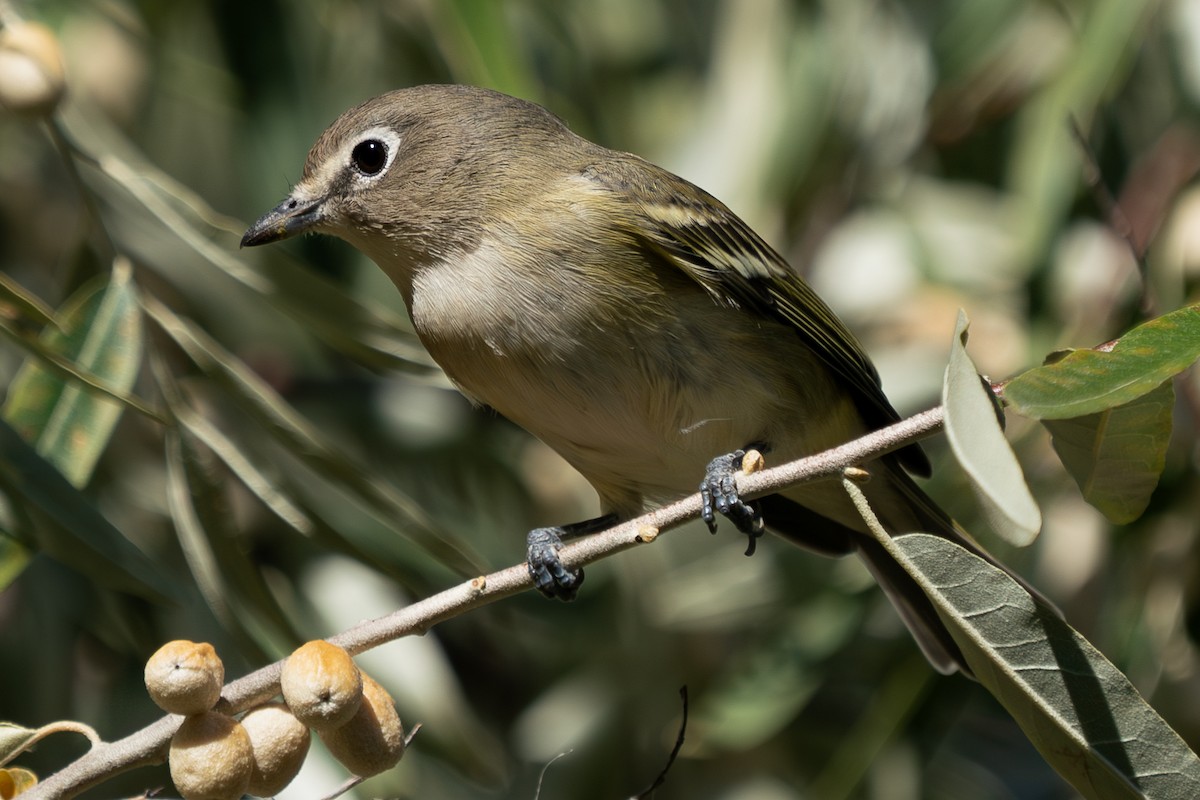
(619, 313)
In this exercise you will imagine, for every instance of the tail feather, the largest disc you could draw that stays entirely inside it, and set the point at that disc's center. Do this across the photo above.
(915, 608)
(937, 521)
(812, 531)
(904, 508)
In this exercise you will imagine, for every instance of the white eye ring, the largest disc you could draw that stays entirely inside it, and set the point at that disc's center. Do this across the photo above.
(370, 155)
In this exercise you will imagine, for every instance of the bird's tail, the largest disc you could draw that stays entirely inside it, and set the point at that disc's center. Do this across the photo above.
(903, 508)
(914, 607)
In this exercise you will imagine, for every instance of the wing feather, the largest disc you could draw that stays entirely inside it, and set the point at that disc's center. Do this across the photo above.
(699, 235)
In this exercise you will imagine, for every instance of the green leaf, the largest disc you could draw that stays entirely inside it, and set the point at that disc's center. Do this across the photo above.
(490, 53)
(14, 739)
(231, 585)
(302, 439)
(1044, 161)
(53, 361)
(67, 527)
(68, 423)
(1117, 456)
(1089, 381)
(288, 505)
(27, 302)
(979, 444)
(1077, 709)
(267, 490)
(371, 335)
(15, 550)
(14, 557)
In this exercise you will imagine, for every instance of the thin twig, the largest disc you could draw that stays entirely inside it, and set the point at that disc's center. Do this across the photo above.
(350, 783)
(648, 792)
(537, 792)
(149, 745)
(67, 149)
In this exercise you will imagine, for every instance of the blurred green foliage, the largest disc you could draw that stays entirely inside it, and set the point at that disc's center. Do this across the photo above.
(910, 157)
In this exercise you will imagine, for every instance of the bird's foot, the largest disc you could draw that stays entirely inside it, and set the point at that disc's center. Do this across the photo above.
(545, 566)
(720, 495)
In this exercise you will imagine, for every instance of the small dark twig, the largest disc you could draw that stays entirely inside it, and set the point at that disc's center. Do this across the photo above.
(648, 792)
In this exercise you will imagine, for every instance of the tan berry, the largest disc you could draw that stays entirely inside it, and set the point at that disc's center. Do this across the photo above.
(373, 740)
(211, 758)
(185, 677)
(32, 78)
(280, 743)
(321, 685)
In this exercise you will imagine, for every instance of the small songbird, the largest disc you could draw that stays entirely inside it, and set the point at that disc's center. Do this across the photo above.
(622, 315)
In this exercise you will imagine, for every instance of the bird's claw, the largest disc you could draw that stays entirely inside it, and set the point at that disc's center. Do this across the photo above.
(546, 568)
(720, 495)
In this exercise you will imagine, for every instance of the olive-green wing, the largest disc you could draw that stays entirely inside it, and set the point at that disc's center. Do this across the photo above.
(699, 235)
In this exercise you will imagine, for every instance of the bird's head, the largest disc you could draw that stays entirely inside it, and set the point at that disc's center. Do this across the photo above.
(407, 177)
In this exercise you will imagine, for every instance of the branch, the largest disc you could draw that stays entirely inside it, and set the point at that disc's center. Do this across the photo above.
(149, 745)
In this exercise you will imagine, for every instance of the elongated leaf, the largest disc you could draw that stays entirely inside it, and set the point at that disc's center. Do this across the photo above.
(68, 423)
(1089, 381)
(288, 504)
(981, 448)
(30, 304)
(16, 551)
(1080, 712)
(199, 506)
(231, 585)
(68, 528)
(53, 361)
(194, 541)
(1044, 160)
(278, 495)
(304, 441)
(265, 489)
(486, 32)
(371, 335)
(66, 402)
(13, 740)
(1117, 456)
(14, 557)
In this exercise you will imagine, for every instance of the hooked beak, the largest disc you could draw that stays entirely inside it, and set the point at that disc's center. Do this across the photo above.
(285, 220)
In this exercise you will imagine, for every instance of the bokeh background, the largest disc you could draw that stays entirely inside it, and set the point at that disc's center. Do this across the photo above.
(909, 157)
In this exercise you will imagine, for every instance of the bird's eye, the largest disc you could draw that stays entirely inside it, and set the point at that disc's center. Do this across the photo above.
(369, 157)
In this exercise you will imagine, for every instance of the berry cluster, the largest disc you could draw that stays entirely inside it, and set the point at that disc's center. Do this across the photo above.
(216, 757)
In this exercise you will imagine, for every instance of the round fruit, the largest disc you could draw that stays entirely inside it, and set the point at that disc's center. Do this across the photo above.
(211, 758)
(280, 743)
(373, 740)
(321, 685)
(185, 677)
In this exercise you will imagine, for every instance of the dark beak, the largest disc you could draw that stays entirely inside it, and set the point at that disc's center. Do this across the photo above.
(285, 220)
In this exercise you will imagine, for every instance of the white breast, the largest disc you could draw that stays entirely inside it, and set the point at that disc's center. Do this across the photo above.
(637, 392)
